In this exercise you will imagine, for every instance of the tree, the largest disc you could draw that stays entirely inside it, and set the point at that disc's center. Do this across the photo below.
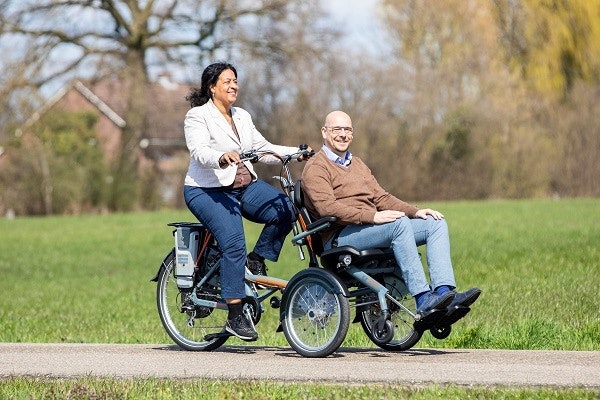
(525, 72)
(59, 166)
(443, 69)
(134, 39)
(553, 43)
(555, 48)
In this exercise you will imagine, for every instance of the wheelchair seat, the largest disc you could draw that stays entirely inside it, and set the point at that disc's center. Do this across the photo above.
(332, 257)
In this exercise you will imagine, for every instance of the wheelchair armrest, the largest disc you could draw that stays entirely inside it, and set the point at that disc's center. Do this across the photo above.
(320, 222)
(313, 228)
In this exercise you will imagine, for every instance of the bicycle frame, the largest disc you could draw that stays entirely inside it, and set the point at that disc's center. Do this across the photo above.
(315, 303)
(189, 252)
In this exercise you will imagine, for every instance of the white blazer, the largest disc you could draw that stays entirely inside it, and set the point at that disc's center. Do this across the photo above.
(208, 136)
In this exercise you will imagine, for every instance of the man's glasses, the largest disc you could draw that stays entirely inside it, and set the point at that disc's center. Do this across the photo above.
(338, 130)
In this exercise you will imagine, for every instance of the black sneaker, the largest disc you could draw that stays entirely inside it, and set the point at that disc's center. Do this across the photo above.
(242, 328)
(257, 267)
(432, 309)
(434, 301)
(465, 299)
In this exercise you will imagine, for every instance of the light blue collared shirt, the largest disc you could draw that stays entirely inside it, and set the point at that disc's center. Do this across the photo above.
(345, 162)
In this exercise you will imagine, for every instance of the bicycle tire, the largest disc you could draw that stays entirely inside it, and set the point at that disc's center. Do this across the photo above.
(187, 331)
(316, 318)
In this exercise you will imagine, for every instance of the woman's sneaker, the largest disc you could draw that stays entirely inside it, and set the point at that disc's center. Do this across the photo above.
(240, 326)
(257, 267)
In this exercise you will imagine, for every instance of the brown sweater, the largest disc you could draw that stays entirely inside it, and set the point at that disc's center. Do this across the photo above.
(351, 194)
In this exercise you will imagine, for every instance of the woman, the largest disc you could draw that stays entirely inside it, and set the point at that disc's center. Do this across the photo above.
(220, 190)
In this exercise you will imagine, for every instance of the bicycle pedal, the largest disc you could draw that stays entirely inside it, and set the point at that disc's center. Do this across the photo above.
(218, 335)
(275, 302)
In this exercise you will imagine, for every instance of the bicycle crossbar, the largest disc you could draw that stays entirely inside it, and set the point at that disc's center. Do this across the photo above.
(267, 281)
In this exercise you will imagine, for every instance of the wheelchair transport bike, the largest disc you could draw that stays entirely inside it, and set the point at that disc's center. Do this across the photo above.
(314, 308)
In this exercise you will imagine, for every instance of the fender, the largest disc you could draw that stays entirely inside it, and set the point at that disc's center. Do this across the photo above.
(334, 281)
(162, 265)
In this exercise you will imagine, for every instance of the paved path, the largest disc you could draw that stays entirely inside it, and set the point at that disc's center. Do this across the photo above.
(462, 367)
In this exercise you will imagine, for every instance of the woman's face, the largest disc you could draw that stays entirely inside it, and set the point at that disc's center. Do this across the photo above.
(226, 88)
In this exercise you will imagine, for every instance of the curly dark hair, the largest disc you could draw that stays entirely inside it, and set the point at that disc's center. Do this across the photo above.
(210, 76)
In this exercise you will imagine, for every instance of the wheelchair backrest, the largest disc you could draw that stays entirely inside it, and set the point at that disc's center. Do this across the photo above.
(314, 241)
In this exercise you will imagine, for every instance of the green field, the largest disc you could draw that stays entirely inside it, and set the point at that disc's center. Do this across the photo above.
(87, 278)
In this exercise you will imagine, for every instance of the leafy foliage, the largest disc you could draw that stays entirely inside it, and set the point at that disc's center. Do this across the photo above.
(59, 165)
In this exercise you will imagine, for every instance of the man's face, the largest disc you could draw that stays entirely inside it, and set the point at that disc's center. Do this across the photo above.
(337, 132)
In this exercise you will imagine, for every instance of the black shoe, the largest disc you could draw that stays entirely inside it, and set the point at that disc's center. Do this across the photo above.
(459, 307)
(257, 267)
(242, 328)
(434, 301)
(452, 315)
(429, 319)
(465, 299)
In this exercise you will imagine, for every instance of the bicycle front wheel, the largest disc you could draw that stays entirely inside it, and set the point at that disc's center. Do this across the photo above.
(316, 317)
(192, 327)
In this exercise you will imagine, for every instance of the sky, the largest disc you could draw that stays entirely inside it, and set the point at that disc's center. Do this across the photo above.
(357, 22)
(360, 23)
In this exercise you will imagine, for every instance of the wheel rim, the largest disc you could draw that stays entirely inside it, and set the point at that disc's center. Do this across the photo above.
(188, 329)
(314, 316)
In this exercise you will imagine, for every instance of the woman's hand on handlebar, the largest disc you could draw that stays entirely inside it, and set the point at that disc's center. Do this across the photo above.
(230, 158)
(307, 152)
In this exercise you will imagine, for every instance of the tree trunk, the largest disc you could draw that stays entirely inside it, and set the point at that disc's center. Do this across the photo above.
(126, 167)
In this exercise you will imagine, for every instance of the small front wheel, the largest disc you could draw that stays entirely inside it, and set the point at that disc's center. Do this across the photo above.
(316, 318)
(191, 327)
(405, 336)
(441, 332)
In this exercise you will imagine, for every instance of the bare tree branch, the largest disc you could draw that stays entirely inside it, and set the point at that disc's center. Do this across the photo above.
(135, 40)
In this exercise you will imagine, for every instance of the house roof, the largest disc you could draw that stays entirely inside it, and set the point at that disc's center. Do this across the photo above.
(166, 108)
(166, 112)
(85, 92)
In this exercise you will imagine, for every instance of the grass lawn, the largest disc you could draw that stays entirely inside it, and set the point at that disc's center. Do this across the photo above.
(87, 278)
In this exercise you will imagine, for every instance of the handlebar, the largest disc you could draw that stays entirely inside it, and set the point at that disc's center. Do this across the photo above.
(285, 176)
(254, 155)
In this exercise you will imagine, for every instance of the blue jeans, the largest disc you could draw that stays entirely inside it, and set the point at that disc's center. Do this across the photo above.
(403, 236)
(221, 211)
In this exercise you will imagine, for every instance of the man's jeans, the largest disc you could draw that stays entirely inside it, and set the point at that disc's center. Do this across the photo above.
(403, 236)
(221, 211)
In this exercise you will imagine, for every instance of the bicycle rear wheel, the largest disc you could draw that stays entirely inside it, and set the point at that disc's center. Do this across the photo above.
(316, 317)
(192, 327)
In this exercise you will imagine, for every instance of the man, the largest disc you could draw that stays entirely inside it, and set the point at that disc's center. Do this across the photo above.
(336, 183)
